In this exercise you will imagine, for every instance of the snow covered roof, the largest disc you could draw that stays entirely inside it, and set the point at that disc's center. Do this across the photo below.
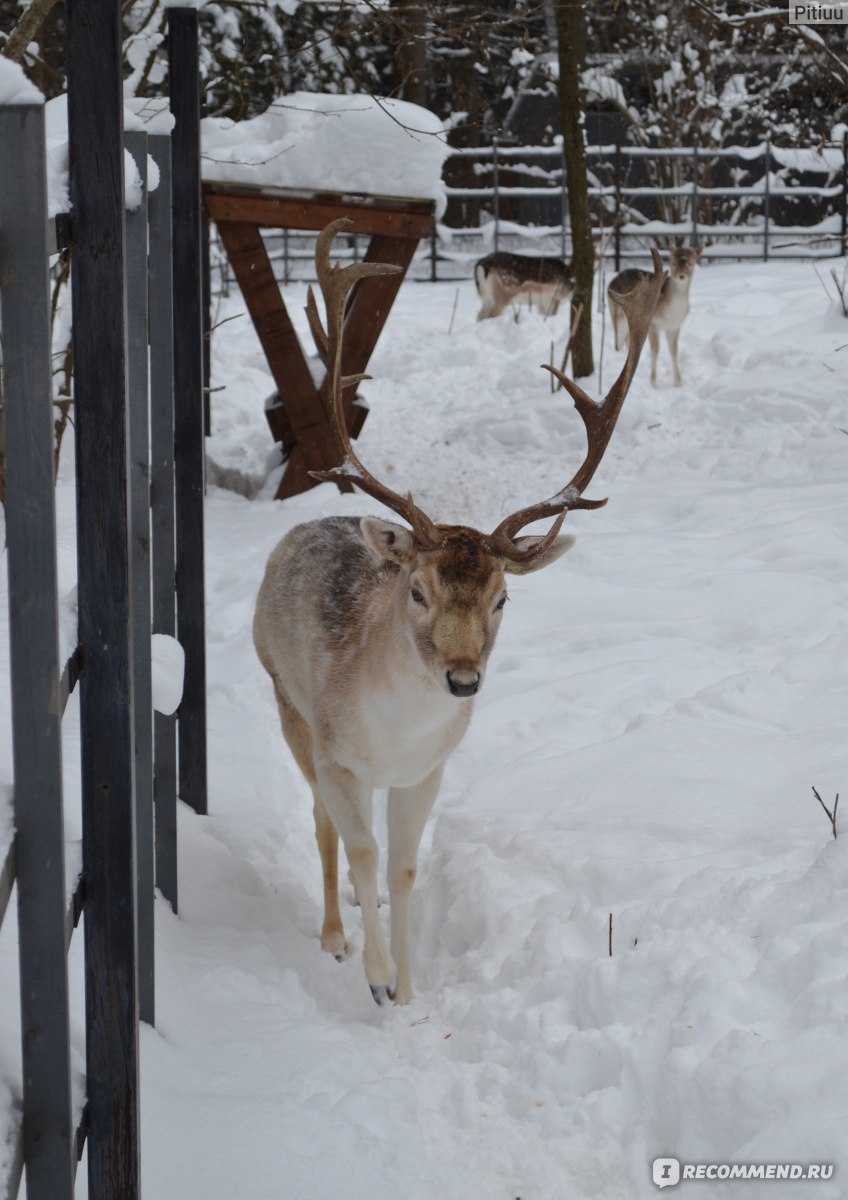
(331, 143)
(351, 144)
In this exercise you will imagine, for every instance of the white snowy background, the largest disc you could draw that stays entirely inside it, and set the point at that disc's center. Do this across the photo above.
(657, 710)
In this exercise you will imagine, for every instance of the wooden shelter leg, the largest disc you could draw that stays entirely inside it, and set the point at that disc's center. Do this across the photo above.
(369, 307)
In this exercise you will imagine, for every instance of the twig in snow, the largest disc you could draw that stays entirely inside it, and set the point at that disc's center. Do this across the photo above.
(453, 313)
(831, 816)
(822, 282)
(840, 287)
(609, 939)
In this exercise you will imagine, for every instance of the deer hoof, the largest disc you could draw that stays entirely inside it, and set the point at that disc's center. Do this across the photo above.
(383, 995)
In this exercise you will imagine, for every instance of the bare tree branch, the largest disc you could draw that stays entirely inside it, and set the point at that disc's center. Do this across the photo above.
(831, 816)
(15, 45)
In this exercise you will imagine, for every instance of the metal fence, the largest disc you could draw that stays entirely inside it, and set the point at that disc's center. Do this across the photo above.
(742, 202)
(137, 463)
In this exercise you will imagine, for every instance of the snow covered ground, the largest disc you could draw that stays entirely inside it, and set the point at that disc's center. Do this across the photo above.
(657, 710)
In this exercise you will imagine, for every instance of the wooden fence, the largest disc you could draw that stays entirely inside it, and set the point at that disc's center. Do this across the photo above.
(139, 484)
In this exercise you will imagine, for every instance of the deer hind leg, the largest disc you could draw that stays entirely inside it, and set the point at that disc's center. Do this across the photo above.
(348, 805)
(654, 339)
(299, 737)
(408, 811)
(619, 332)
(672, 336)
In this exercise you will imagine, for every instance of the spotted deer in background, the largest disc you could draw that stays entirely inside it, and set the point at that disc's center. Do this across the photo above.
(376, 637)
(503, 279)
(672, 306)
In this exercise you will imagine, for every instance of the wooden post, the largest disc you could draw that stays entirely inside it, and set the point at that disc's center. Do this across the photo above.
(189, 449)
(48, 1134)
(98, 278)
(162, 497)
(139, 455)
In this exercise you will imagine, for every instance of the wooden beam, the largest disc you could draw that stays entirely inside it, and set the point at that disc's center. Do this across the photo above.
(369, 307)
(412, 219)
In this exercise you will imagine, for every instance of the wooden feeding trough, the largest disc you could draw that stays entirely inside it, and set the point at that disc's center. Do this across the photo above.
(299, 416)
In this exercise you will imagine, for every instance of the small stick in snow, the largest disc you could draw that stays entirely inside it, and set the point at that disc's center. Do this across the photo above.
(609, 940)
(453, 313)
(831, 816)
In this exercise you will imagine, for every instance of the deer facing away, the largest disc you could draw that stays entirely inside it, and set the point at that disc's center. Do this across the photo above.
(503, 279)
(672, 306)
(376, 636)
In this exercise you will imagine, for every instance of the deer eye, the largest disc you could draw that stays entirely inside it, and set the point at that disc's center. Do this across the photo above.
(417, 596)
(501, 602)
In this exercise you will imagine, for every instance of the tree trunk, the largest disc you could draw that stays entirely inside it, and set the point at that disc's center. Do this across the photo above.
(411, 49)
(571, 39)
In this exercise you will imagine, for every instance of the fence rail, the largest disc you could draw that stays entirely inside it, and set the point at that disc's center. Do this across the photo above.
(514, 197)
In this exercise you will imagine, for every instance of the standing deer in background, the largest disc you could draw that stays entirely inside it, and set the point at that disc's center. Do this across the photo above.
(672, 306)
(376, 637)
(502, 279)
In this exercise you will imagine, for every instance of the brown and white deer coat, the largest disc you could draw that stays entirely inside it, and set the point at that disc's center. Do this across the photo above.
(377, 635)
(672, 306)
(503, 279)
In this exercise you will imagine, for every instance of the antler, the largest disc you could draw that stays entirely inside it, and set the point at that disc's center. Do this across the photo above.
(336, 283)
(599, 419)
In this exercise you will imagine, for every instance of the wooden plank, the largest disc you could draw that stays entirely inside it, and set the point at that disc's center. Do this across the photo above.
(412, 220)
(308, 439)
(162, 498)
(98, 279)
(37, 855)
(252, 268)
(367, 312)
(139, 502)
(189, 429)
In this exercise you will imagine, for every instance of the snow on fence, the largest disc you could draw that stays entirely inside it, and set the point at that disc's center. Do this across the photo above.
(139, 457)
(743, 202)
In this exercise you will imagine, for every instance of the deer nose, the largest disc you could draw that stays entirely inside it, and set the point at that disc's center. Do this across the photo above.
(463, 683)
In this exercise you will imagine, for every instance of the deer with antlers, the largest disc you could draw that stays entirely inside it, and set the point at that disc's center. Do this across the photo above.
(376, 636)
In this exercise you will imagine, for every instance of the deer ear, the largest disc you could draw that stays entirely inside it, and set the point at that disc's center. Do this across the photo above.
(556, 550)
(387, 539)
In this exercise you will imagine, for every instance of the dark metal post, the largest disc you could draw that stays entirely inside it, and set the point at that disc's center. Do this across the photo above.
(618, 216)
(695, 194)
(162, 499)
(139, 452)
(188, 400)
(497, 199)
(206, 284)
(95, 109)
(48, 1134)
(766, 201)
(563, 203)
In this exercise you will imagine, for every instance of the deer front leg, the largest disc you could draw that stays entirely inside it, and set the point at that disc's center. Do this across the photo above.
(348, 804)
(408, 811)
(672, 336)
(654, 338)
